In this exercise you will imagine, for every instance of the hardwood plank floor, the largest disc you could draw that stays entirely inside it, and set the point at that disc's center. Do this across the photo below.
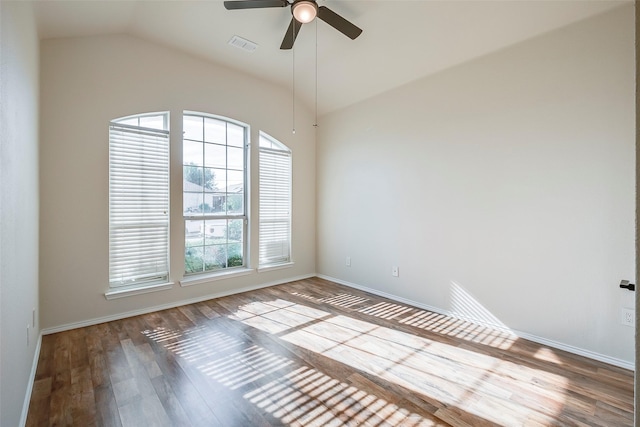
(315, 353)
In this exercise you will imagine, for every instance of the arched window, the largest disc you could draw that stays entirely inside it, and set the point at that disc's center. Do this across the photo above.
(275, 202)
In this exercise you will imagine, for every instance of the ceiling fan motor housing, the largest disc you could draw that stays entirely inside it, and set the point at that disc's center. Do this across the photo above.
(304, 11)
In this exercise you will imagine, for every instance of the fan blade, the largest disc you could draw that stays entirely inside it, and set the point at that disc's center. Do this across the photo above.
(254, 4)
(291, 34)
(338, 22)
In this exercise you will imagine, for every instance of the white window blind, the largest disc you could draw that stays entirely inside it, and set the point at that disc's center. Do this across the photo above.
(138, 203)
(275, 202)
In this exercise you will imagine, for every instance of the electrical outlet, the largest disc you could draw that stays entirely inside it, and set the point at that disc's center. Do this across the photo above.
(628, 317)
(348, 261)
(395, 271)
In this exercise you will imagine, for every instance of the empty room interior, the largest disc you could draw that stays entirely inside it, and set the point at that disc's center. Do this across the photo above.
(397, 213)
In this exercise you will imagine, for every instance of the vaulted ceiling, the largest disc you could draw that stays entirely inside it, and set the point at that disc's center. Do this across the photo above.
(402, 40)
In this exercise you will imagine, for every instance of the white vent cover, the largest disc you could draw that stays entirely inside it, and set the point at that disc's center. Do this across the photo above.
(243, 44)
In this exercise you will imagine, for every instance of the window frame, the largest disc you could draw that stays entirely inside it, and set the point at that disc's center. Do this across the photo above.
(195, 277)
(136, 283)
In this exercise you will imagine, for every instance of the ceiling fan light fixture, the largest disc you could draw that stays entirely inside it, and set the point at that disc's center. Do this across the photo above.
(304, 11)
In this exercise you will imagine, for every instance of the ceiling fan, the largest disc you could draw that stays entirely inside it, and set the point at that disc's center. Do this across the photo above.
(303, 11)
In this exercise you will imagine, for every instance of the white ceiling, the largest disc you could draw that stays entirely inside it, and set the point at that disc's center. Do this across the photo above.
(401, 40)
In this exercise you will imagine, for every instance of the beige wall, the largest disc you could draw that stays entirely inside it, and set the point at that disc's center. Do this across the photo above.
(85, 83)
(18, 207)
(502, 188)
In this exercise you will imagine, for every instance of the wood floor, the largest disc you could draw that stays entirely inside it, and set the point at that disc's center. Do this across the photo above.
(315, 353)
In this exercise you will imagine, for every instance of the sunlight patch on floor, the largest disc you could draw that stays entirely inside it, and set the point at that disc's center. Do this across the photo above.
(432, 368)
(308, 397)
(386, 310)
(462, 327)
(244, 367)
(339, 300)
(194, 344)
(223, 358)
(274, 316)
(548, 355)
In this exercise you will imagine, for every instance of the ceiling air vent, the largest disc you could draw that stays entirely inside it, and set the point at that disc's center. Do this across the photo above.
(243, 44)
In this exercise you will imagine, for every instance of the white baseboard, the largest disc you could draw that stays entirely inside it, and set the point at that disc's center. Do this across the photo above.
(119, 316)
(32, 378)
(540, 340)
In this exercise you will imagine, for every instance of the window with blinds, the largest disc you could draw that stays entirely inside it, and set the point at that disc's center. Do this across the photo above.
(275, 202)
(139, 200)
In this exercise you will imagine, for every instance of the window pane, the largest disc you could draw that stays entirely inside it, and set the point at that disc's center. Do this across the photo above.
(215, 257)
(193, 233)
(153, 122)
(214, 131)
(193, 177)
(235, 230)
(216, 231)
(192, 203)
(235, 258)
(192, 128)
(134, 121)
(219, 180)
(207, 207)
(235, 158)
(192, 153)
(193, 260)
(235, 203)
(235, 135)
(215, 156)
(209, 182)
(235, 181)
(215, 203)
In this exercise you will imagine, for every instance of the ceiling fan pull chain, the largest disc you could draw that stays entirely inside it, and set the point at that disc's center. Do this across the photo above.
(316, 106)
(293, 73)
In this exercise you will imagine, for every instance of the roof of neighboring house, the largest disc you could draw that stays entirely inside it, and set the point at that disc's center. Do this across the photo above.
(235, 188)
(190, 186)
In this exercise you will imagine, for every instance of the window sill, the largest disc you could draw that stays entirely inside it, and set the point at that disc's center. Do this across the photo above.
(212, 277)
(122, 293)
(270, 267)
